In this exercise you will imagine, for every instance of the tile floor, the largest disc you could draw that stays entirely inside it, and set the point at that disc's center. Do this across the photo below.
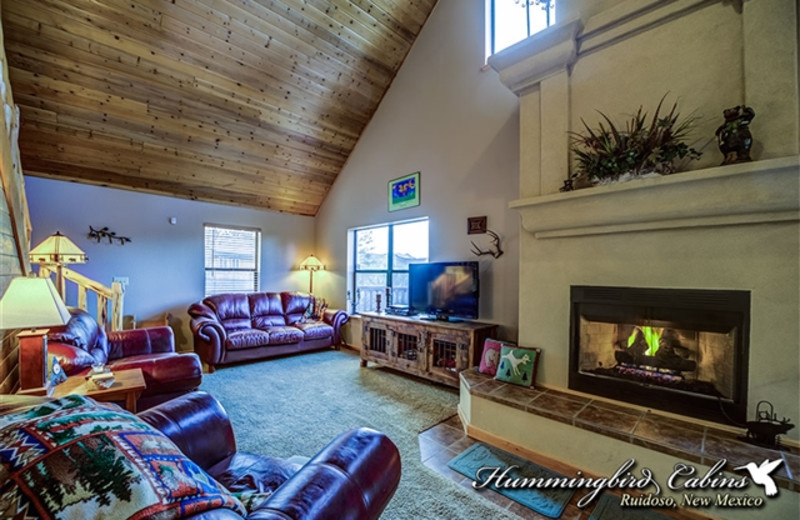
(439, 444)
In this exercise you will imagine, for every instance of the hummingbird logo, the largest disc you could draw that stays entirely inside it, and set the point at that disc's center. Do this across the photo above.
(761, 474)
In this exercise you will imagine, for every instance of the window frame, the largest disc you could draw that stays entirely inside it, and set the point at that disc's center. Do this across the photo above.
(389, 272)
(256, 270)
(491, 25)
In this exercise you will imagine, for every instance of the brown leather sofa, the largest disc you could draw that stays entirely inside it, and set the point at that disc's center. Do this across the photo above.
(352, 478)
(82, 342)
(230, 328)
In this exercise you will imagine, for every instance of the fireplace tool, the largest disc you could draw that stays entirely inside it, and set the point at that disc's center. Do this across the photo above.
(765, 429)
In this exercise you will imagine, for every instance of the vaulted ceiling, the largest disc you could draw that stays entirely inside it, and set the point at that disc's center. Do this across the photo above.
(250, 102)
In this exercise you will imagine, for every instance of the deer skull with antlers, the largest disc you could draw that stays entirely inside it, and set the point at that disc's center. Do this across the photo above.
(495, 250)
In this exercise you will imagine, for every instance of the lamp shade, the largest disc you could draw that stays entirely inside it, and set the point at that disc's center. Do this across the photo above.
(57, 249)
(31, 302)
(311, 263)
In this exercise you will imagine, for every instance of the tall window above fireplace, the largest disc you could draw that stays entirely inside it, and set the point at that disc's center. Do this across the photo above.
(678, 350)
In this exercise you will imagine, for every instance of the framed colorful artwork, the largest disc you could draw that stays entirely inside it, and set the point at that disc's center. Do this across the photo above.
(404, 192)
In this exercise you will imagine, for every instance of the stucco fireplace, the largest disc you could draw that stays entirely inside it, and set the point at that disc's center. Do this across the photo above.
(716, 228)
(678, 350)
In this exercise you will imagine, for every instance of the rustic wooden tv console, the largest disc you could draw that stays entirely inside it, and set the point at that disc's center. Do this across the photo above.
(435, 350)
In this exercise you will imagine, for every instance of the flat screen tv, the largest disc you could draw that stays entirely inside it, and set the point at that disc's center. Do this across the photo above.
(444, 290)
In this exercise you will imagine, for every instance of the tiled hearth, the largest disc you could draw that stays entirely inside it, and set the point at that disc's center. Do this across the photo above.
(682, 439)
(439, 444)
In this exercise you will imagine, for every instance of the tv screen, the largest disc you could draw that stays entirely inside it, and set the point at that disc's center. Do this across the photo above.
(444, 289)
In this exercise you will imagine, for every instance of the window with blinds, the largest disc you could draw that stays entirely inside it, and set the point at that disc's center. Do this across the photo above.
(231, 259)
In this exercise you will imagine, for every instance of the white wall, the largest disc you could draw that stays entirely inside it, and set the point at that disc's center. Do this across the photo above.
(164, 262)
(459, 126)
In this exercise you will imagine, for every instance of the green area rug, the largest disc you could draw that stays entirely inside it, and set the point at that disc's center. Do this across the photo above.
(295, 405)
(547, 502)
(608, 508)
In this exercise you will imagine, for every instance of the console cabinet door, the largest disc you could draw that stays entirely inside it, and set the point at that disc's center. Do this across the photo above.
(375, 338)
(407, 348)
(448, 354)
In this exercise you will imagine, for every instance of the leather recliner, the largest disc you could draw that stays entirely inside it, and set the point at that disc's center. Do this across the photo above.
(352, 478)
(82, 342)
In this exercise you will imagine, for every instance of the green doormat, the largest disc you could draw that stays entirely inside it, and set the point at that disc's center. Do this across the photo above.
(608, 508)
(547, 502)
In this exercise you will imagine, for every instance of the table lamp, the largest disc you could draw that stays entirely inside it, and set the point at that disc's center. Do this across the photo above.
(30, 303)
(311, 264)
(59, 251)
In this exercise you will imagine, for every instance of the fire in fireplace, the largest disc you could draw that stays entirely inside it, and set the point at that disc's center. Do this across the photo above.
(678, 350)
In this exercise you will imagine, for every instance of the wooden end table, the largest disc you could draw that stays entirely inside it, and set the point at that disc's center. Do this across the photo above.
(128, 386)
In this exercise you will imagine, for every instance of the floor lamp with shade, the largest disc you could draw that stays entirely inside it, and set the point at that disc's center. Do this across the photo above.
(311, 264)
(30, 303)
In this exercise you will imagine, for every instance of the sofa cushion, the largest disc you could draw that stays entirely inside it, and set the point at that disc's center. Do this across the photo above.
(248, 338)
(315, 329)
(295, 305)
(233, 310)
(96, 461)
(284, 335)
(165, 372)
(266, 310)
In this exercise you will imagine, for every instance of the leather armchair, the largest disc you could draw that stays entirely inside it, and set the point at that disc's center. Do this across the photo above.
(82, 342)
(352, 478)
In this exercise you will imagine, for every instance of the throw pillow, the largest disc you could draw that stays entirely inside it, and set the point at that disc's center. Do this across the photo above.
(319, 308)
(308, 315)
(518, 365)
(55, 374)
(75, 458)
(491, 356)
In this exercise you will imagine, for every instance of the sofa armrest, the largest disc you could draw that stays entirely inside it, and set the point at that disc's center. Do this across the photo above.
(352, 478)
(209, 334)
(198, 424)
(335, 318)
(136, 342)
(72, 359)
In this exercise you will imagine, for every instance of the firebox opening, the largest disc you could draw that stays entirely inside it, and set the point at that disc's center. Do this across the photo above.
(677, 350)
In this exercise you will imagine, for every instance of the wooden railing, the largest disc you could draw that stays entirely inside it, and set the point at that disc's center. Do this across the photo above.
(109, 299)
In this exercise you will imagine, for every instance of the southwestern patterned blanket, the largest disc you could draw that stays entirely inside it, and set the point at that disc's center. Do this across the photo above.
(73, 458)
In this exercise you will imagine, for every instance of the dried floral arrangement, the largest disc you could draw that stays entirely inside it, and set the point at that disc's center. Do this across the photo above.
(645, 145)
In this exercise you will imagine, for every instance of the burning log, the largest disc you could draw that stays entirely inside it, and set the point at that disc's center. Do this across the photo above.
(675, 363)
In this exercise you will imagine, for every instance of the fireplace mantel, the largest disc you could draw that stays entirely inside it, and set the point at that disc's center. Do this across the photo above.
(739, 194)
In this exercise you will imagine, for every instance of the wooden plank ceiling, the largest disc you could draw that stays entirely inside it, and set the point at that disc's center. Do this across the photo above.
(250, 102)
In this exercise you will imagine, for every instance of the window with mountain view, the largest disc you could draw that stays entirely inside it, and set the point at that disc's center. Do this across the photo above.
(381, 257)
(511, 21)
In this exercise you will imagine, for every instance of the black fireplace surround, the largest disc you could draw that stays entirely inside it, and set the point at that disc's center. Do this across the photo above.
(679, 350)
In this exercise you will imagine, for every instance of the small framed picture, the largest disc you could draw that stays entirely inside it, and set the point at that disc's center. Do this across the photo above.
(404, 192)
(476, 225)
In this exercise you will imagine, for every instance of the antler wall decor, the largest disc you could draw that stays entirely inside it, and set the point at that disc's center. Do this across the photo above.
(495, 250)
(99, 234)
